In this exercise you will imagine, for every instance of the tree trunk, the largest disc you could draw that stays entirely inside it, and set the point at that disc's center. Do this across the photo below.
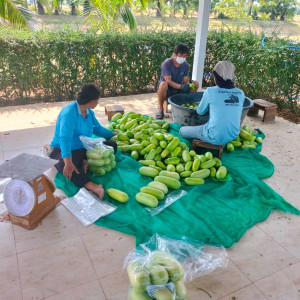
(273, 17)
(86, 7)
(282, 17)
(158, 10)
(250, 8)
(185, 11)
(73, 10)
(56, 12)
(26, 4)
(41, 9)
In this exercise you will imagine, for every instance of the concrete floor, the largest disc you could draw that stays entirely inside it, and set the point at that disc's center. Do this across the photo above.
(62, 259)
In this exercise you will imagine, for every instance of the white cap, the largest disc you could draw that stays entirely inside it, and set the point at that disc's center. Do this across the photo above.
(225, 69)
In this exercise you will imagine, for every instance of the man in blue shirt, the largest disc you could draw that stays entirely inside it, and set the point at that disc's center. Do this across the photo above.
(174, 77)
(224, 103)
(74, 120)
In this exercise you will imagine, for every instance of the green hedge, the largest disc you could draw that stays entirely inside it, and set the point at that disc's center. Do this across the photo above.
(51, 66)
(272, 74)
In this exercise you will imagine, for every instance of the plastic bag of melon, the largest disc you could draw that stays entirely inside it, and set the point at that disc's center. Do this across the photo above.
(159, 268)
(100, 157)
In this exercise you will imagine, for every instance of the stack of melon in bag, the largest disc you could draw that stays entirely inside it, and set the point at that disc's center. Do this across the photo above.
(101, 160)
(160, 276)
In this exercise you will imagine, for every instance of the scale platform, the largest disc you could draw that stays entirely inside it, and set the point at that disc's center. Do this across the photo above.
(29, 196)
(26, 167)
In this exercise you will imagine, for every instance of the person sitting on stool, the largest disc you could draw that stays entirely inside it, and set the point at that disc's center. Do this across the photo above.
(224, 103)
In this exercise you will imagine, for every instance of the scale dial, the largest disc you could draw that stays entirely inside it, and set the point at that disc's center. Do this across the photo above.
(19, 197)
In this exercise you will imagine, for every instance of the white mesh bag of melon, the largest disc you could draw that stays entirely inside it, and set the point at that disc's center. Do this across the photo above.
(100, 157)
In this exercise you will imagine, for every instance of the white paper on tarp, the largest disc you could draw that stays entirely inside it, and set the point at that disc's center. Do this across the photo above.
(86, 207)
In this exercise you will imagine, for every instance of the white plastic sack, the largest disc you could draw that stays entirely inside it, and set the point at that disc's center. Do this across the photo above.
(87, 207)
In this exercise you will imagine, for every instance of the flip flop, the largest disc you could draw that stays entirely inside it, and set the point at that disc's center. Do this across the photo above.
(159, 115)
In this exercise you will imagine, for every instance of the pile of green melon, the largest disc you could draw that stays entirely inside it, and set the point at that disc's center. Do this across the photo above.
(191, 105)
(164, 157)
(245, 140)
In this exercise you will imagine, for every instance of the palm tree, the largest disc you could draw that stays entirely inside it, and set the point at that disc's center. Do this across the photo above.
(40, 5)
(12, 13)
(86, 7)
(104, 14)
(56, 6)
(41, 9)
(73, 4)
(158, 10)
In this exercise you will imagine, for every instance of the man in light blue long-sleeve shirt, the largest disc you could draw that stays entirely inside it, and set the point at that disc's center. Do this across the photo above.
(74, 120)
(224, 103)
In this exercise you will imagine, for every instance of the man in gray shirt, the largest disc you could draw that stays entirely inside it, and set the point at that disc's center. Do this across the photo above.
(174, 77)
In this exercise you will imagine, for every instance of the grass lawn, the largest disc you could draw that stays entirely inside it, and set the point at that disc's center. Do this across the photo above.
(289, 29)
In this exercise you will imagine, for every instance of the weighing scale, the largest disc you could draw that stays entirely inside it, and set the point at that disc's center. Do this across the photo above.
(29, 195)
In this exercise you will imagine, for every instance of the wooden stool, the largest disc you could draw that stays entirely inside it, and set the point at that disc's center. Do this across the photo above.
(270, 109)
(201, 144)
(111, 109)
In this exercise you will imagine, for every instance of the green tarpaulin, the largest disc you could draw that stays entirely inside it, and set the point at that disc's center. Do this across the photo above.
(218, 212)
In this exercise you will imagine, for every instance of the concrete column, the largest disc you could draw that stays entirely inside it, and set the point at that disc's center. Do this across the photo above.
(201, 40)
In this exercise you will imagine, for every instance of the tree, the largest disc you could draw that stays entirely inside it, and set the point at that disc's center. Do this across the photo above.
(213, 5)
(40, 5)
(73, 9)
(103, 15)
(250, 7)
(75, 3)
(41, 9)
(86, 7)
(12, 13)
(279, 8)
(234, 9)
(158, 9)
(186, 5)
(57, 5)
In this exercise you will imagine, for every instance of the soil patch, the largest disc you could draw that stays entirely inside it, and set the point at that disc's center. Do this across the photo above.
(289, 115)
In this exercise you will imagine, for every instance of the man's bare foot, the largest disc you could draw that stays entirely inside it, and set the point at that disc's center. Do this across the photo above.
(95, 188)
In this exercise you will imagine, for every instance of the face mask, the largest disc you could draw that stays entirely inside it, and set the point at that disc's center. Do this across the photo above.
(180, 60)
